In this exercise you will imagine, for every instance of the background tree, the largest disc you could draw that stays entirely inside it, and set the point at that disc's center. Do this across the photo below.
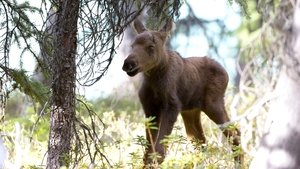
(279, 145)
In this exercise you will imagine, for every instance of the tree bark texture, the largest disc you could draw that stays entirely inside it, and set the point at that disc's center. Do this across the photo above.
(280, 144)
(63, 84)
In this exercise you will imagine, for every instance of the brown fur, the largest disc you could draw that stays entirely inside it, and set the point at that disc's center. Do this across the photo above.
(172, 84)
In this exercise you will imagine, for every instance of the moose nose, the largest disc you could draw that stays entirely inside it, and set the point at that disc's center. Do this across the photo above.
(129, 64)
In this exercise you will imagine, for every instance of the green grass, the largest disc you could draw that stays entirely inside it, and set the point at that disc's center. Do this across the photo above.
(121, 141)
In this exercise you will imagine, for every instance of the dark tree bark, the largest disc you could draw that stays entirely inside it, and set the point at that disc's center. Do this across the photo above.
(63, 86)
(280, 145)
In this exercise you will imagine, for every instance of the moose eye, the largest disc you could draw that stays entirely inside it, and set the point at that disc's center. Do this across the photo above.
(150, 48)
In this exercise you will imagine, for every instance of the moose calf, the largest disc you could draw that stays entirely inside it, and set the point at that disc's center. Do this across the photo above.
(172, 84)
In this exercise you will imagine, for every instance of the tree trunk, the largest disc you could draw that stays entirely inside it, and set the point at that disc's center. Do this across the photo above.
(63, 85)
(280, 145)
(3, 151)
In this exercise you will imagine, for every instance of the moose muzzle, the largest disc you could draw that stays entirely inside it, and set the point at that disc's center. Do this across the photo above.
(130, 66)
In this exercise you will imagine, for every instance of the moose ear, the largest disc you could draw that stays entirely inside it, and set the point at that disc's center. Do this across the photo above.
(168, 26)
(138, 26)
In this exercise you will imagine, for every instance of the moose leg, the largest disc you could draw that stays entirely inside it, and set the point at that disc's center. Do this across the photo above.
(167, 120)
(165, 129)
(166, 124)
(193, 127)
(151, 109)
(215, 110)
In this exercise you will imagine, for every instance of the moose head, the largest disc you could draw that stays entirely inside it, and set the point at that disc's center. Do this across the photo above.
(148, 49)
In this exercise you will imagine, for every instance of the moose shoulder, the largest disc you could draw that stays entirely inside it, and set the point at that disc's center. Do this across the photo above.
(172, 84)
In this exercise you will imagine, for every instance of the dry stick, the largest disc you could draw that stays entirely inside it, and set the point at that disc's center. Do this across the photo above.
(152, 143)
(255, 108)
(41, 114)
